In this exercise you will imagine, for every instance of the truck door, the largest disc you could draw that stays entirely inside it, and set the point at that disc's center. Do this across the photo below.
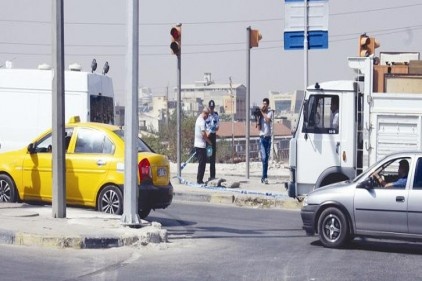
(326, 140)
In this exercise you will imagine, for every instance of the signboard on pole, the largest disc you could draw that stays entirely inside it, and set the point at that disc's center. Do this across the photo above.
(295, 24)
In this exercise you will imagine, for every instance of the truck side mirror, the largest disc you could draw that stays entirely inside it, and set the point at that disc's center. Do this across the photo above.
(305, 111)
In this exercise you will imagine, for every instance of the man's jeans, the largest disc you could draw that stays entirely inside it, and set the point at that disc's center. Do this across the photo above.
(264, 149)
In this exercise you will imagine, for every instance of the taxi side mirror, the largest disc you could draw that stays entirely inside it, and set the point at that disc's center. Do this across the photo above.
(31, 148)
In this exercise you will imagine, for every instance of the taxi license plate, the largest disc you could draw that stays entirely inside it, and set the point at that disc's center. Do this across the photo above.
(162, 172)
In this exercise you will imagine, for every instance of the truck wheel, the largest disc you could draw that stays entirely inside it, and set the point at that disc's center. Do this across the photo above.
(110, 200)
(144, 213)
(8, 192)
(333, 229)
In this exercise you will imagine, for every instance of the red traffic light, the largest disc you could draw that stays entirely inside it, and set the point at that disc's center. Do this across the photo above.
(176, 38)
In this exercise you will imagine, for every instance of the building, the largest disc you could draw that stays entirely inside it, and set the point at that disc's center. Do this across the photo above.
(229, 98)
(286, 105)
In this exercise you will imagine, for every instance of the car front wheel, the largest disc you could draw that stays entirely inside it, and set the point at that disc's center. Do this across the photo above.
(8, 191)
(333, 228)
(110, 200)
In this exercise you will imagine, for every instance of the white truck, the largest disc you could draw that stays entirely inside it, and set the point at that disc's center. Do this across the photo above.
(26, 102)
(371, 125)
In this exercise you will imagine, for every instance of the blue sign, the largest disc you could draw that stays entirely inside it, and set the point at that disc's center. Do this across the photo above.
(295, 24)
(316, 40)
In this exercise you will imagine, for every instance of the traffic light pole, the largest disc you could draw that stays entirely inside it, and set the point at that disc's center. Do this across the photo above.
(179, 116)
(248, 96)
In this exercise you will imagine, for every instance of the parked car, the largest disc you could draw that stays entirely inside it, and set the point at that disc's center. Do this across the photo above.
(382, 202)
(94, 170)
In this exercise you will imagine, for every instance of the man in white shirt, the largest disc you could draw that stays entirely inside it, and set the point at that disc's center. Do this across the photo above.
(264, 125)
(334, 113)
(200, 143)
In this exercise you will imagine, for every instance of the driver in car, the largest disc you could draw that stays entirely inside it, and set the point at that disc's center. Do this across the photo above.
(401, 181)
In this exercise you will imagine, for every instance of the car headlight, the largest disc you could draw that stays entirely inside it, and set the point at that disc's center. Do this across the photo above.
(305, 201)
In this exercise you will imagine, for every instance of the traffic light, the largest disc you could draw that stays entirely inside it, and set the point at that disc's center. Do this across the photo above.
(255, 36)
(176, 39)
(367, 45)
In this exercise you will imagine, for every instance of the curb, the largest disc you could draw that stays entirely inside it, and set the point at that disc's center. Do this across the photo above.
(239, 200)
(153, 235)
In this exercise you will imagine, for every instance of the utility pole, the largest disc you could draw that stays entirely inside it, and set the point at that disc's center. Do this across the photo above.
(130, 215)
(58, 102)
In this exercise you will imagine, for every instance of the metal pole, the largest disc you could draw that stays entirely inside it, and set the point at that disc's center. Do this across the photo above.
(130, 215)
(58, 92)
(305, 45)
(179, 113)
(248, 95)
(232, 97)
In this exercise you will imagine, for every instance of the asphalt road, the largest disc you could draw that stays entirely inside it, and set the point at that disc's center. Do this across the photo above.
(220, 242)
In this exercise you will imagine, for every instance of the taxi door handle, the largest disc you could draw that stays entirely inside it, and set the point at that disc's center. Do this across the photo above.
(101, 162)
(400, 199)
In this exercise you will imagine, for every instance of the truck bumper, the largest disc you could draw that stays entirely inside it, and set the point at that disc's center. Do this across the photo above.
(291, 189)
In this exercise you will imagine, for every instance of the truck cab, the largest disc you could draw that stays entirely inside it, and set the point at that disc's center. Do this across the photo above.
(322, 150)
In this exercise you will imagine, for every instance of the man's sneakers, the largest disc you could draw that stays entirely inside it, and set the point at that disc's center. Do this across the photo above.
(264, 180)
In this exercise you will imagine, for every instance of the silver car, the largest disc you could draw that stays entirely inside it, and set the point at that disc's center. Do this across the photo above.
(385, 201)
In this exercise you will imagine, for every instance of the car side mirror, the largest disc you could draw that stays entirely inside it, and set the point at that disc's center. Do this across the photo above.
(368, 183)
(31, 148)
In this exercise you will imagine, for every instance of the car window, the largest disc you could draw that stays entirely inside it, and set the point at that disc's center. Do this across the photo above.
(417, 183)
(44, 144)
(93, 141)
(392, 174)
(142, 146)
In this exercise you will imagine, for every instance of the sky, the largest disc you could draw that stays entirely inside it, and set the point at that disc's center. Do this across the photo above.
(213, 40)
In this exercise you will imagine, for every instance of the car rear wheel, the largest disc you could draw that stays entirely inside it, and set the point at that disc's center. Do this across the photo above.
(110, 200)
(8, 192)
(333, 228)
(144, 213)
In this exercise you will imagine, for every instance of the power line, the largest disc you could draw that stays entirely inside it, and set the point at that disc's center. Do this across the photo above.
(208, 22)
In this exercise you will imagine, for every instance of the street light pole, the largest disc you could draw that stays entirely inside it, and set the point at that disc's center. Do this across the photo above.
(232, 100)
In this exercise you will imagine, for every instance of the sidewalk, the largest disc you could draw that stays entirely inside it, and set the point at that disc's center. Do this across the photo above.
(251, 192)
(33, 225)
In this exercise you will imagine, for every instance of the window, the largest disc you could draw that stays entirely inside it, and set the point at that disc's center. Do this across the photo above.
(392, 174)
(321, 114)
(93, 141)
(417, 183)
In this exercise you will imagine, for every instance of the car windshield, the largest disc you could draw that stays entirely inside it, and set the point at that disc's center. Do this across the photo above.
(142, 146)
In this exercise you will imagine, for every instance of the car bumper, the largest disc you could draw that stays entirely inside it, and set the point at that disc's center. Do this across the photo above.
(153, 197)
(308, 218)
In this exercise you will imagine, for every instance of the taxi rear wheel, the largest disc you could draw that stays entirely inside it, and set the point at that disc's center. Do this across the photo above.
(110, 200)
(8, 191)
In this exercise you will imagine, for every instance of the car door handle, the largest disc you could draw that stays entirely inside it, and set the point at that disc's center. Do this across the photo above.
(400, 199)
(337, 147)
(101, 162)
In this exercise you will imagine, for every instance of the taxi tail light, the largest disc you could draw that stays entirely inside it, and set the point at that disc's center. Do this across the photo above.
(144, 168)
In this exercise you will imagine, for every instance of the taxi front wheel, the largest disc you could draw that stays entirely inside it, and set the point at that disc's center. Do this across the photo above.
(110, 200)
(8, 192)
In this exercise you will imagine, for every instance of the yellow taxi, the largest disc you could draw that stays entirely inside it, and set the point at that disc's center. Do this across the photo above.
(94, 170)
